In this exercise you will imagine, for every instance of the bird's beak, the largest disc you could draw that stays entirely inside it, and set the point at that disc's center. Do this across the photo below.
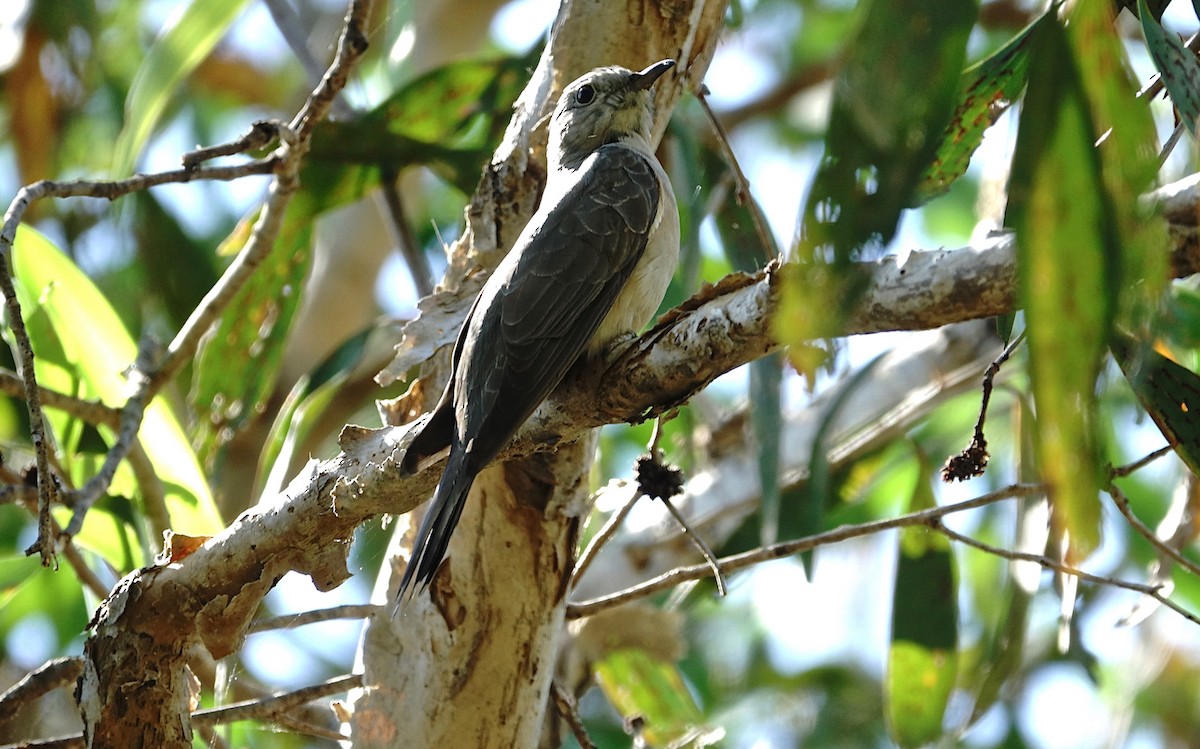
(646, 78)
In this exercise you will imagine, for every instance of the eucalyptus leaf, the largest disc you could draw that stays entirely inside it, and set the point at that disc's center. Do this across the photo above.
(989, 88)
(1177, 65)
(97, 345)
(922, 655)
(178, 50)
(1068, 263)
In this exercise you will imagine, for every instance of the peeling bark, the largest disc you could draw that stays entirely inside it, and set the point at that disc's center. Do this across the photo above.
(486, 638)
(471, 663)
(307, 527)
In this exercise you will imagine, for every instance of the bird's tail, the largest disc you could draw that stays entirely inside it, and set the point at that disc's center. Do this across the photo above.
(436, 527)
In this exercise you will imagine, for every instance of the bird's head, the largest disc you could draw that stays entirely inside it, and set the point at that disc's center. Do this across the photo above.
(605, 105)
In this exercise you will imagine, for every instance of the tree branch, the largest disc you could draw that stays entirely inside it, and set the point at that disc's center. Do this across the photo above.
(214, 592)
(273, 709)
(210, 596)
(1154, 591)
(1163, 548)
(788, 548)
(127, 656)
(93, 412)
(46, 678)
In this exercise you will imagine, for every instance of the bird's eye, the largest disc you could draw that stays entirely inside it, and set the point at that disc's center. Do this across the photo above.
(585, 94)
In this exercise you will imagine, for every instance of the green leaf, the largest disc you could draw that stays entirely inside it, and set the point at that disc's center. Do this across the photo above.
(808, 513)
(461, 108)
(893, 100)
(1128, 152)
(766, 418)
(14, 571)
(447, 104)
(449, 119)
(989, 87)
(641, 686)
(1177, 65)
(238, 362)
(749, 249)
(1157, 7)
(1001, 659)
(1170, 393)
(894, 96)
(1069, 266)
(56, 371)
(922, 657)
(98, 349)
(54, 596)
(175, 54)
(53, 368)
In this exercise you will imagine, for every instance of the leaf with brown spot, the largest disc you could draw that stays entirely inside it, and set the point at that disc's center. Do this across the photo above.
(989, 88)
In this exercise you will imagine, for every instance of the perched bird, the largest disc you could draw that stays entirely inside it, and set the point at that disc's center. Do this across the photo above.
(591, 265)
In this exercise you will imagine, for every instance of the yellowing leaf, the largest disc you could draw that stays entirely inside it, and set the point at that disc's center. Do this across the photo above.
(98, 348)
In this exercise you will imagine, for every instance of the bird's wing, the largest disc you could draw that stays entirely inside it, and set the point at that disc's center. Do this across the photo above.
(576, 257)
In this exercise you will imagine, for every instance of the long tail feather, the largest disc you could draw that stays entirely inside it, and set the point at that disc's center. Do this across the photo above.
(436, 528)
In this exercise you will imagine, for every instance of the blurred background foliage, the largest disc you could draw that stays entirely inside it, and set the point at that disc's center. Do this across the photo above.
(980, 652)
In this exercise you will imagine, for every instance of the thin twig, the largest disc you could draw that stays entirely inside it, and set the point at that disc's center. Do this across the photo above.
(351, 46)
(268, 708)
(1140, 463)
(148, 379)
(972, 461)
(71, 553)
(131, 421)
(14, 488)
(92, 411)
(46, 487)
(26, 196)
(707, 553)
(44, 679)
(113, 189)
(788, 548)
(743, 194)
(296, 139)
(1154, 591)
(602, 537)
(1169, 146)
(261, 134)
(182, 349)
(291, 621)
(410, 249)
(301, 719)
(567, 710)
(1122, 503)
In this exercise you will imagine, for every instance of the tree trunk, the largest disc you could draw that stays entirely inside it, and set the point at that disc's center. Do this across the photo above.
(471, 662)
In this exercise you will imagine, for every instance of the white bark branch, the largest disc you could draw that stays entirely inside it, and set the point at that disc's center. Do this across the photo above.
(210, 596)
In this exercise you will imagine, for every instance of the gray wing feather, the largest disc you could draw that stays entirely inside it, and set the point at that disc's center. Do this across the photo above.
(555, 296)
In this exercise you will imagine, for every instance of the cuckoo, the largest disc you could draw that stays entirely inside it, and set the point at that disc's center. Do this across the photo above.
(592, 264)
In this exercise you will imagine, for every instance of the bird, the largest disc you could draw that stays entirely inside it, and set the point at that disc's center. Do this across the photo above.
(591, 266)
